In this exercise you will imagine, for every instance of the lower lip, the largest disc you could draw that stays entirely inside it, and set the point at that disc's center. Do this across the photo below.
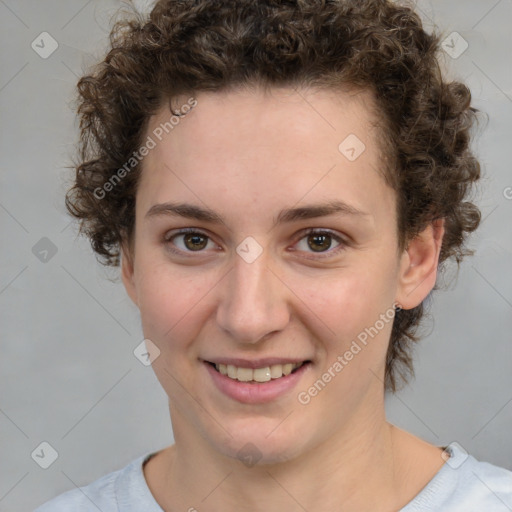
(256, 392)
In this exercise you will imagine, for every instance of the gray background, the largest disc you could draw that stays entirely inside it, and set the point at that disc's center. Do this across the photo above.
(68, 373)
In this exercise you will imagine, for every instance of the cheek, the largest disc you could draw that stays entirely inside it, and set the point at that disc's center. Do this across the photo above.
(353, 351)
(347, 306)
(170, 304)
(346, 301)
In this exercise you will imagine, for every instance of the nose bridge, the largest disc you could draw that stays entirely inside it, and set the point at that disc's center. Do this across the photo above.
(252, 305)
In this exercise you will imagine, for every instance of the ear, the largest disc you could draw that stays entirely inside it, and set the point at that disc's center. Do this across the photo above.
(418, 266)
(127, 274)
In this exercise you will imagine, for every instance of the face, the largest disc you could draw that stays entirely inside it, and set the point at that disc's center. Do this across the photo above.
(266, 273)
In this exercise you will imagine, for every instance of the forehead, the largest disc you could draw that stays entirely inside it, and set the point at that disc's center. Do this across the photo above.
(245, 115)
(265, 147)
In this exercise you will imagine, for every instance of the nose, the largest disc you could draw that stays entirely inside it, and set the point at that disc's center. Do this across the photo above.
(254, 301)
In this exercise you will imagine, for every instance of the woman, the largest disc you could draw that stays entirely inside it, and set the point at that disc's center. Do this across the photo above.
(280, 183)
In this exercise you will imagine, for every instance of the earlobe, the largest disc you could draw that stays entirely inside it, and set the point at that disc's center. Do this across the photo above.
(127, 275)
(418, 266)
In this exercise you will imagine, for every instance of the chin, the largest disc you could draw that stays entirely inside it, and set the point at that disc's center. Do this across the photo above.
(255, 446)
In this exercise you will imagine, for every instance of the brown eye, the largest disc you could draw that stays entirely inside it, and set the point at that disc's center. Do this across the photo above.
(320, 242)
(186, 241)
(195, 241)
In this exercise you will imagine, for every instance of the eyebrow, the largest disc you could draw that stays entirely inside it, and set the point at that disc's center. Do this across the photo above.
(288, 215)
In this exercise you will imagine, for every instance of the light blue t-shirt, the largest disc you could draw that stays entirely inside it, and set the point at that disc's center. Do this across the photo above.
(463, 484)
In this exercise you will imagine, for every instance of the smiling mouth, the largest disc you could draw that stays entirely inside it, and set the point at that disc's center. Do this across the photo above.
(257, 375)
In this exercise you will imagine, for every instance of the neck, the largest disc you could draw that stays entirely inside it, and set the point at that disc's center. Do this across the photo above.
(357, 469)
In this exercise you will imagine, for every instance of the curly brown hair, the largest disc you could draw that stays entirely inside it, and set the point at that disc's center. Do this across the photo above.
(184, 46)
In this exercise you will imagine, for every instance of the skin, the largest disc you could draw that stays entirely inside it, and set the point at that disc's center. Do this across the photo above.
(247, 155)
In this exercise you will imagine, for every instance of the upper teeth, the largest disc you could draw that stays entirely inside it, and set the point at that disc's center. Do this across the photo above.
(258, 374)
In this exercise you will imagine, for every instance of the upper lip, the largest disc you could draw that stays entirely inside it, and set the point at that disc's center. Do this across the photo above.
(254, 363)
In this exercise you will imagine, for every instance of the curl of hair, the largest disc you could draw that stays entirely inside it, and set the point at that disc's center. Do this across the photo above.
(184, 46)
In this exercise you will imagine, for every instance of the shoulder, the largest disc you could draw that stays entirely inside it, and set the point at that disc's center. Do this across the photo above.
(465, 484)
(484, 485)
(102, 494)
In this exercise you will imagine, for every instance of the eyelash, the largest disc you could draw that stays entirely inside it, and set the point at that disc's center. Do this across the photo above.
(310, 231)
